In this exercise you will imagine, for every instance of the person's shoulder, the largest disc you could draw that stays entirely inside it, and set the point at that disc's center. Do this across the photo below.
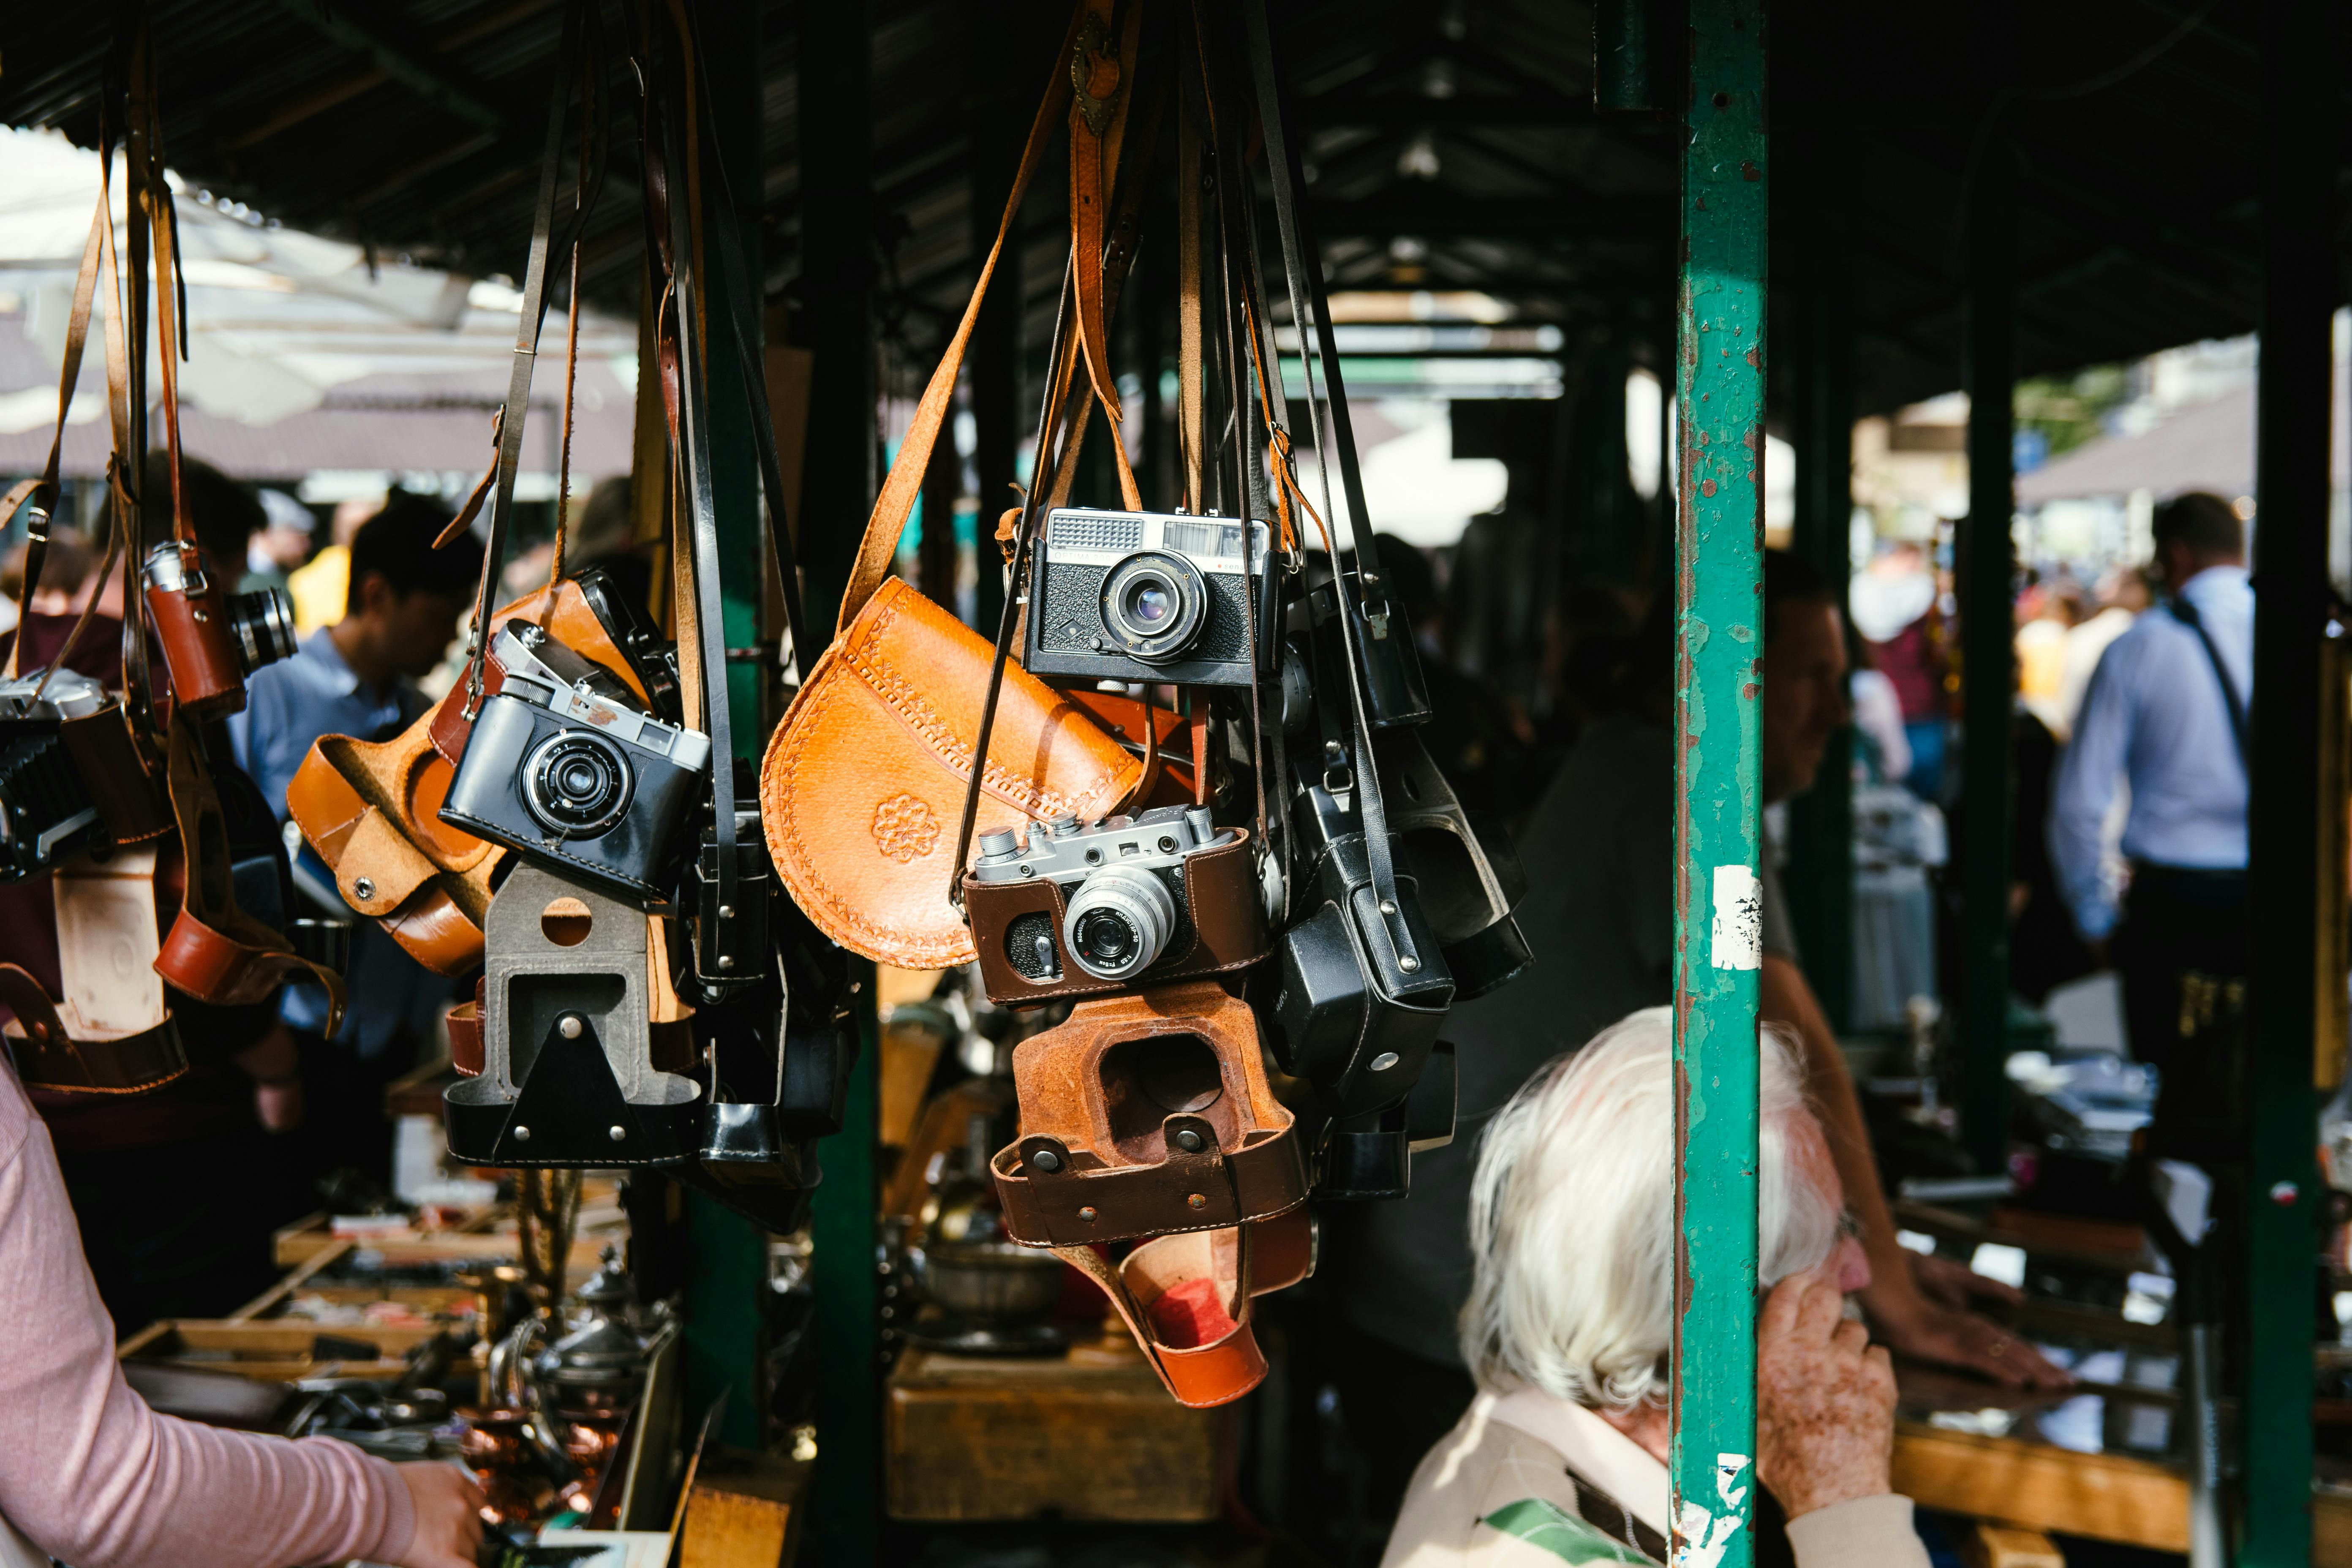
(16, 1116)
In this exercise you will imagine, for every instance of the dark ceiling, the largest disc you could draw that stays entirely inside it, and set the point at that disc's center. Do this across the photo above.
(1451, 145)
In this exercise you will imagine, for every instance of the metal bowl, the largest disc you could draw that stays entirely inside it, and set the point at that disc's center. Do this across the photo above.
(990, 1280)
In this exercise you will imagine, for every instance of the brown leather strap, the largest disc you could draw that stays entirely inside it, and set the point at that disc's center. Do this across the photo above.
(889, 520)
(1102, 74)
(37, 524)
(214, 951)
(48, 1056)
(1266, 1178)
(153, 194)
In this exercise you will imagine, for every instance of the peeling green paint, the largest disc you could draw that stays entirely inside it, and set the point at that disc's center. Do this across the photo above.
(1719, 575)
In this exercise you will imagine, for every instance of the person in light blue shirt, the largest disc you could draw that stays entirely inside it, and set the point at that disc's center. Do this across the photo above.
(2165, 713)
(358, 677)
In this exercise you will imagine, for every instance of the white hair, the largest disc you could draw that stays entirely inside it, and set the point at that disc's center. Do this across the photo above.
(1572, 1216)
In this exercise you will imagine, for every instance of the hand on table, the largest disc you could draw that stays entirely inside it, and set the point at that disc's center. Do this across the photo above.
(1935, 1333)
(448, 1515)
(1824, 1399)
(1948, 1282)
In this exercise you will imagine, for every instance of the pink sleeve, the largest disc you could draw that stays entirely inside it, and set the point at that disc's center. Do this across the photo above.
(97, 1478)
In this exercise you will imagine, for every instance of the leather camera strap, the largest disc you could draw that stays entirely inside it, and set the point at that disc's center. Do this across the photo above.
(43, 489)
(888, 522)
(1306, 285)
(588, 182)
(1102, 91)
(701, 630)
(215, 952)
(526, 355)
(1192, 393)
(1023, 546)
(149, 188)
(1302, 262)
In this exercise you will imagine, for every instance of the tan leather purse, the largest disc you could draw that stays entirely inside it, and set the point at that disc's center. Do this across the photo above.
(862, 789)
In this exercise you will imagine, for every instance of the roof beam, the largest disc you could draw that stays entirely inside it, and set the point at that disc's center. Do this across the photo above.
(429, 81)
(1392, 113)
(1437, 214)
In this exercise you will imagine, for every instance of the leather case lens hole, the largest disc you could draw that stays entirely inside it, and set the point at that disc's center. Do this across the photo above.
(1146, 1081)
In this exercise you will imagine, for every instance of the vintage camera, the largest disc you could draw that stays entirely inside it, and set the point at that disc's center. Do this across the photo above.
(46, 814)
(1126, 596)
(1079, 911)
(212, 639)
(564, 771)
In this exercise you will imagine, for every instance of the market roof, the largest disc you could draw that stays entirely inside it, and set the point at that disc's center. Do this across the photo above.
(2209, 446)
(1455, 146)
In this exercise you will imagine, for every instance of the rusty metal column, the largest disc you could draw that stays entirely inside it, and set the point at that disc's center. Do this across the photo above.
(1987, 571)
(2286, 1200)
(1718, 823)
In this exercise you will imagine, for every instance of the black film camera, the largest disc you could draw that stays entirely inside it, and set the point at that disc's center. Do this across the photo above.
(46, 814)
(1126, 596)
(565, 770)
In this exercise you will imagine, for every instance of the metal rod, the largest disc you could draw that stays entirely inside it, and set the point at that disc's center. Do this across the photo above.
(1719, 634)
(1987, 562)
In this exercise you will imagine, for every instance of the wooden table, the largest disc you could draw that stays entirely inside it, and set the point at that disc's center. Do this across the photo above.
(1087, 1437)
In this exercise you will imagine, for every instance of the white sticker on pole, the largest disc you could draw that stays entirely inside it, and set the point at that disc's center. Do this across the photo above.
(1738, 933)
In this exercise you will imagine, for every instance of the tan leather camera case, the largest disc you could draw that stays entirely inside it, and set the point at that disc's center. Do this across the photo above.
(1112, 1099)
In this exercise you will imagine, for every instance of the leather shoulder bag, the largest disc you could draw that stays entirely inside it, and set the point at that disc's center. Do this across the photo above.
(864, 780)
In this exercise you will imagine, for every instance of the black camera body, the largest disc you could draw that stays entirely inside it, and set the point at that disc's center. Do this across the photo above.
(45, 813)
(570, 775)
(1349, 1008)
(652, 656)
(1151, 596)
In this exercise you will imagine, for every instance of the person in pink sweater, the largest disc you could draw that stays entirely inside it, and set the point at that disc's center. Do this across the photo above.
(92, 1476)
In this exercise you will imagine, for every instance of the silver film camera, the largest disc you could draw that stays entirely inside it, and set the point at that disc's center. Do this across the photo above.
(1127, 596)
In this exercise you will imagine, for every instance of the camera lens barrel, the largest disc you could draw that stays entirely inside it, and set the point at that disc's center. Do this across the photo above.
(1118, 922)
(1155, 604)
(576, 783)
(263, 623)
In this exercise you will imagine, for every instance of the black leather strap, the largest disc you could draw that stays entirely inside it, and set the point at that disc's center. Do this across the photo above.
(702, 508)
(1306, 283)
(526, 355)
(2186, 614)
(1025, 543)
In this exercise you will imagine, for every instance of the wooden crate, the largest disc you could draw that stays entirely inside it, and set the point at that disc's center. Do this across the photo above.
(745, 1511)
(976, 1439)
(270, 1351)
(490, 1234)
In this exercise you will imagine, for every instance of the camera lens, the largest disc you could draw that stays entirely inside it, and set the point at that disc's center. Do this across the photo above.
(1155, 604)
(1149, 602)
(1118, 922)
(576, 784)
(263, 624)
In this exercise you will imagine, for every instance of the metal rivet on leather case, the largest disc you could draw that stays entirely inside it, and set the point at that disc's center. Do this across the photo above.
(364, 887)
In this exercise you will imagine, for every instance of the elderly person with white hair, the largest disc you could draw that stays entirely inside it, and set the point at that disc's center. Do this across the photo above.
(1562, 1455)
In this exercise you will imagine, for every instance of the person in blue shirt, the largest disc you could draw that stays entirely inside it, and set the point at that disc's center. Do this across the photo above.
(2166, 714)
(359, 678)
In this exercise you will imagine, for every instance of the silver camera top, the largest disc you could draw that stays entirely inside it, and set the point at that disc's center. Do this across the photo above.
(1079, 536)
(1063, 851)
(68, 695)
(542, 671)
(175, 567)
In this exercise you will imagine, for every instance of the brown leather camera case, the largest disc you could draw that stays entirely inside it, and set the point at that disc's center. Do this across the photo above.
(862, 789)
(198, 648)
(1111, 1097)
(1221, 901)
(1187, 1300)
(371, 812)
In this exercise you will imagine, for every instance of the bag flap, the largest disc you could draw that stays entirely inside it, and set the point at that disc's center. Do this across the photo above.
(380, 867)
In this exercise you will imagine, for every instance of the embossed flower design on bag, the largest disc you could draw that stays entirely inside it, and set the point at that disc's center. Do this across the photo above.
(905, 828)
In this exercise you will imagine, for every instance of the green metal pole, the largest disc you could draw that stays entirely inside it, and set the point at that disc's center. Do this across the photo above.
(837, 114)
(1719, 632)
(1821, 820)
(1988, 655)
(728, 1271)
(2285, 1201)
